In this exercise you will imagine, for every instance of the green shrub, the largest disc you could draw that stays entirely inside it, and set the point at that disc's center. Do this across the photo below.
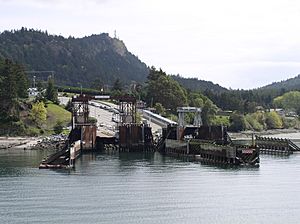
(32, 131)
(221, 120)
(58, 128)
(273, 120)
(238, 122)
(253, 123)
(291, 123)
(92, 120)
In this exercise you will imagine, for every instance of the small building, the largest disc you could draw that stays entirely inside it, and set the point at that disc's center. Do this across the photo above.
(33, 92)
(279, 111)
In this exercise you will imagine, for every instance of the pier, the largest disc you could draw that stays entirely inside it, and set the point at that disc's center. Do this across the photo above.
(196, 142)
(84, 136)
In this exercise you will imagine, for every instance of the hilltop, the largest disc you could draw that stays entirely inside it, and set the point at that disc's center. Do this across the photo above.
(195, 84)
(286, 85)
(78, 61)
(74, 60)
(81, 61)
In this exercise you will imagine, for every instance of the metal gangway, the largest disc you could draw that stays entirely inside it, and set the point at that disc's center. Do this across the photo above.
(158, 119)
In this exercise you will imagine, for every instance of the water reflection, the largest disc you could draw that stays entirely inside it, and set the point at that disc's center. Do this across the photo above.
(147, 188)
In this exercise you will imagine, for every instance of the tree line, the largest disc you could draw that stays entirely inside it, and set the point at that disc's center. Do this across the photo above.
(161, 92)
(247, 107)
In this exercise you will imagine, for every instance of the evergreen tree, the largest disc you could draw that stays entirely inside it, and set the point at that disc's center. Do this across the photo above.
(22, 83)
(209, 111)
(164, 90)
(13, 85)
(51, 91)
(118, 86)
(238, 122)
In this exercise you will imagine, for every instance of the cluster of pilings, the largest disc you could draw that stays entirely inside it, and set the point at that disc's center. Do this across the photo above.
(275, 146)
(135, 138)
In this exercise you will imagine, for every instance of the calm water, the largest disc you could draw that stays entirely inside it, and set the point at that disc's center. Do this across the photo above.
(137, 188)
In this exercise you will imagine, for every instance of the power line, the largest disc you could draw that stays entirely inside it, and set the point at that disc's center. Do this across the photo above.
(39, 71)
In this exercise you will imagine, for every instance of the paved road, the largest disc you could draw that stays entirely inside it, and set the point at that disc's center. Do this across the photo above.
(103, 116)
(63, 100)
(103, 112)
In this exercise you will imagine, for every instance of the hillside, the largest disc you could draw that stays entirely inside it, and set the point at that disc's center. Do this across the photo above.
(56, 113)
(75, 61)
(286, 85)
(195, 84)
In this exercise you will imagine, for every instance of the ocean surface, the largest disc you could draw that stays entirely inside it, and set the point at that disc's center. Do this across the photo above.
(147, 188)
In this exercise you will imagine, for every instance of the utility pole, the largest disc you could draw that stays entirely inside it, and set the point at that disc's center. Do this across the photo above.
(36, 74)
(34, 81)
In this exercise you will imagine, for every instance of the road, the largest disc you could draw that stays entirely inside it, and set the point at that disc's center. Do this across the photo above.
(104, 117)
(103, 112)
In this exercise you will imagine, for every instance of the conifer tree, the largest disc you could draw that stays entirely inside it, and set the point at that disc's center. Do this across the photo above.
(51, 91)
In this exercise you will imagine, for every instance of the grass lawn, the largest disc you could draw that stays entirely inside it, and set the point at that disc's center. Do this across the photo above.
(56, 113)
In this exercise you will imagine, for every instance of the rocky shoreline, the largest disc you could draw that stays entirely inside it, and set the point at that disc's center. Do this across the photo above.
(54, 142)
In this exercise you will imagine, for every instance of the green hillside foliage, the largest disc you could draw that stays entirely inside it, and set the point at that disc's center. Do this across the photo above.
(259, 121)
(99, 64)
(221, 120)
(253, 123)
(166, 95)
(197, 85)
(209, 109)
(75, 61)
(286, 85)
(56, 114)
(289, 101)
(20, 115)
(162, 89)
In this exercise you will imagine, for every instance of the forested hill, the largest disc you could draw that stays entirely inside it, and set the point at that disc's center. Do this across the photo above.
(195, 84)
(286, 85)
(74, 60)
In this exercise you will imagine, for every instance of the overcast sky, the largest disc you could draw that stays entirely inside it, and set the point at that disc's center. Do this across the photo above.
(235, 43)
